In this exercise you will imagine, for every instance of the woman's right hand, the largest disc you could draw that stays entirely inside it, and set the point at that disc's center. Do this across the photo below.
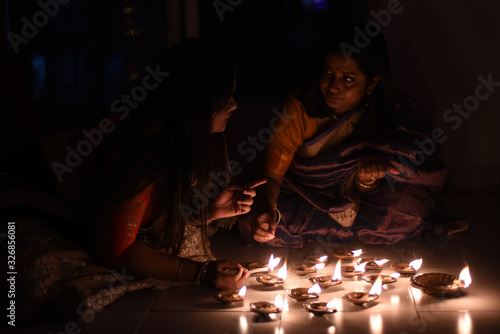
(221, 275)
(264, 225)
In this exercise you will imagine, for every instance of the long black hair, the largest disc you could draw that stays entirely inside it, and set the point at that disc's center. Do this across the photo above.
(372, 59)
(168, 141)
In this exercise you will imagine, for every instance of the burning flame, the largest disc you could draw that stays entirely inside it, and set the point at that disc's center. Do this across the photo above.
(337, 274)
(273, 262)
(465, 277)
(323, 258)
(315, 289)
(381, 262)
(360, 267)
(330, 304)
(416, 264)
(243, 291)
(377, 287)
(319, 266)
(278, 302)
(395, 275)
(356, 252)
(282, 273)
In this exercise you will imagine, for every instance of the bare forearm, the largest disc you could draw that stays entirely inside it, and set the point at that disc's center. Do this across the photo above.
(271, 189)
(147, 262)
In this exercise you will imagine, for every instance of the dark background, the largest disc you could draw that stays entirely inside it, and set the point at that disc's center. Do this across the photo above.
(90, 52)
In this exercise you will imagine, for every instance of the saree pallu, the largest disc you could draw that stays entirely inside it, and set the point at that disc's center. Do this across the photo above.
(318, 200)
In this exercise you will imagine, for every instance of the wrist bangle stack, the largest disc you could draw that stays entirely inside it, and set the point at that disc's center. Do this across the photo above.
(198, 222)
(200, 276)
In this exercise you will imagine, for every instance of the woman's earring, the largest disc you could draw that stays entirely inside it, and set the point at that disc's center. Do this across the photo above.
(368, 100)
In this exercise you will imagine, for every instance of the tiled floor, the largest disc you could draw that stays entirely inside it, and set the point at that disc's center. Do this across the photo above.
(399, 309)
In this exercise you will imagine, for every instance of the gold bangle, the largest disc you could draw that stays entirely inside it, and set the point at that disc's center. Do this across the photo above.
(366, 186)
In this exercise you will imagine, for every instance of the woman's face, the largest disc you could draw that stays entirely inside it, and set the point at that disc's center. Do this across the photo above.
(219, 122)
(342, 83)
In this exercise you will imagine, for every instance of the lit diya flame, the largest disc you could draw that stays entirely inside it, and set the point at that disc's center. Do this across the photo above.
(395, 275)
(319, 266)
(323, 258)
(278, 302)
(465, 277)
(282, 273)
(337, 274)
(273, 262)
(315, 289)
(376, 289)
(416, 264)
(361, 267)
(356, 252)
(330, 304)
(380, 263)
(242, 292)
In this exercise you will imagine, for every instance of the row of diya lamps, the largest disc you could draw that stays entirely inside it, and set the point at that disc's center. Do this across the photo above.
(434, 284)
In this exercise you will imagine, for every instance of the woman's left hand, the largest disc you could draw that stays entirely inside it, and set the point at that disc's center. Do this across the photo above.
(373, 168)
(233, 200)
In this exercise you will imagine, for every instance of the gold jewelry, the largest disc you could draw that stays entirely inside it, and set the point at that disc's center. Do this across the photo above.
(366, 186)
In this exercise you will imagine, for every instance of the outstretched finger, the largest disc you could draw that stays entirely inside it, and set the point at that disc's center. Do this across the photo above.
(255, 183)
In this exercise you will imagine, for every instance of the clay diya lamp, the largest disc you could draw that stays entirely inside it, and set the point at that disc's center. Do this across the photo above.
(326, 281)
(386, 279)
(359, 298)
(231, 296)
(320, 308)
(266, 307)
(373, 263)
(407, 268)
(312, 259)
(351, 271)
(270, 279)
(439, 284)
(302, 269)
(346, 254)
(303, 294)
